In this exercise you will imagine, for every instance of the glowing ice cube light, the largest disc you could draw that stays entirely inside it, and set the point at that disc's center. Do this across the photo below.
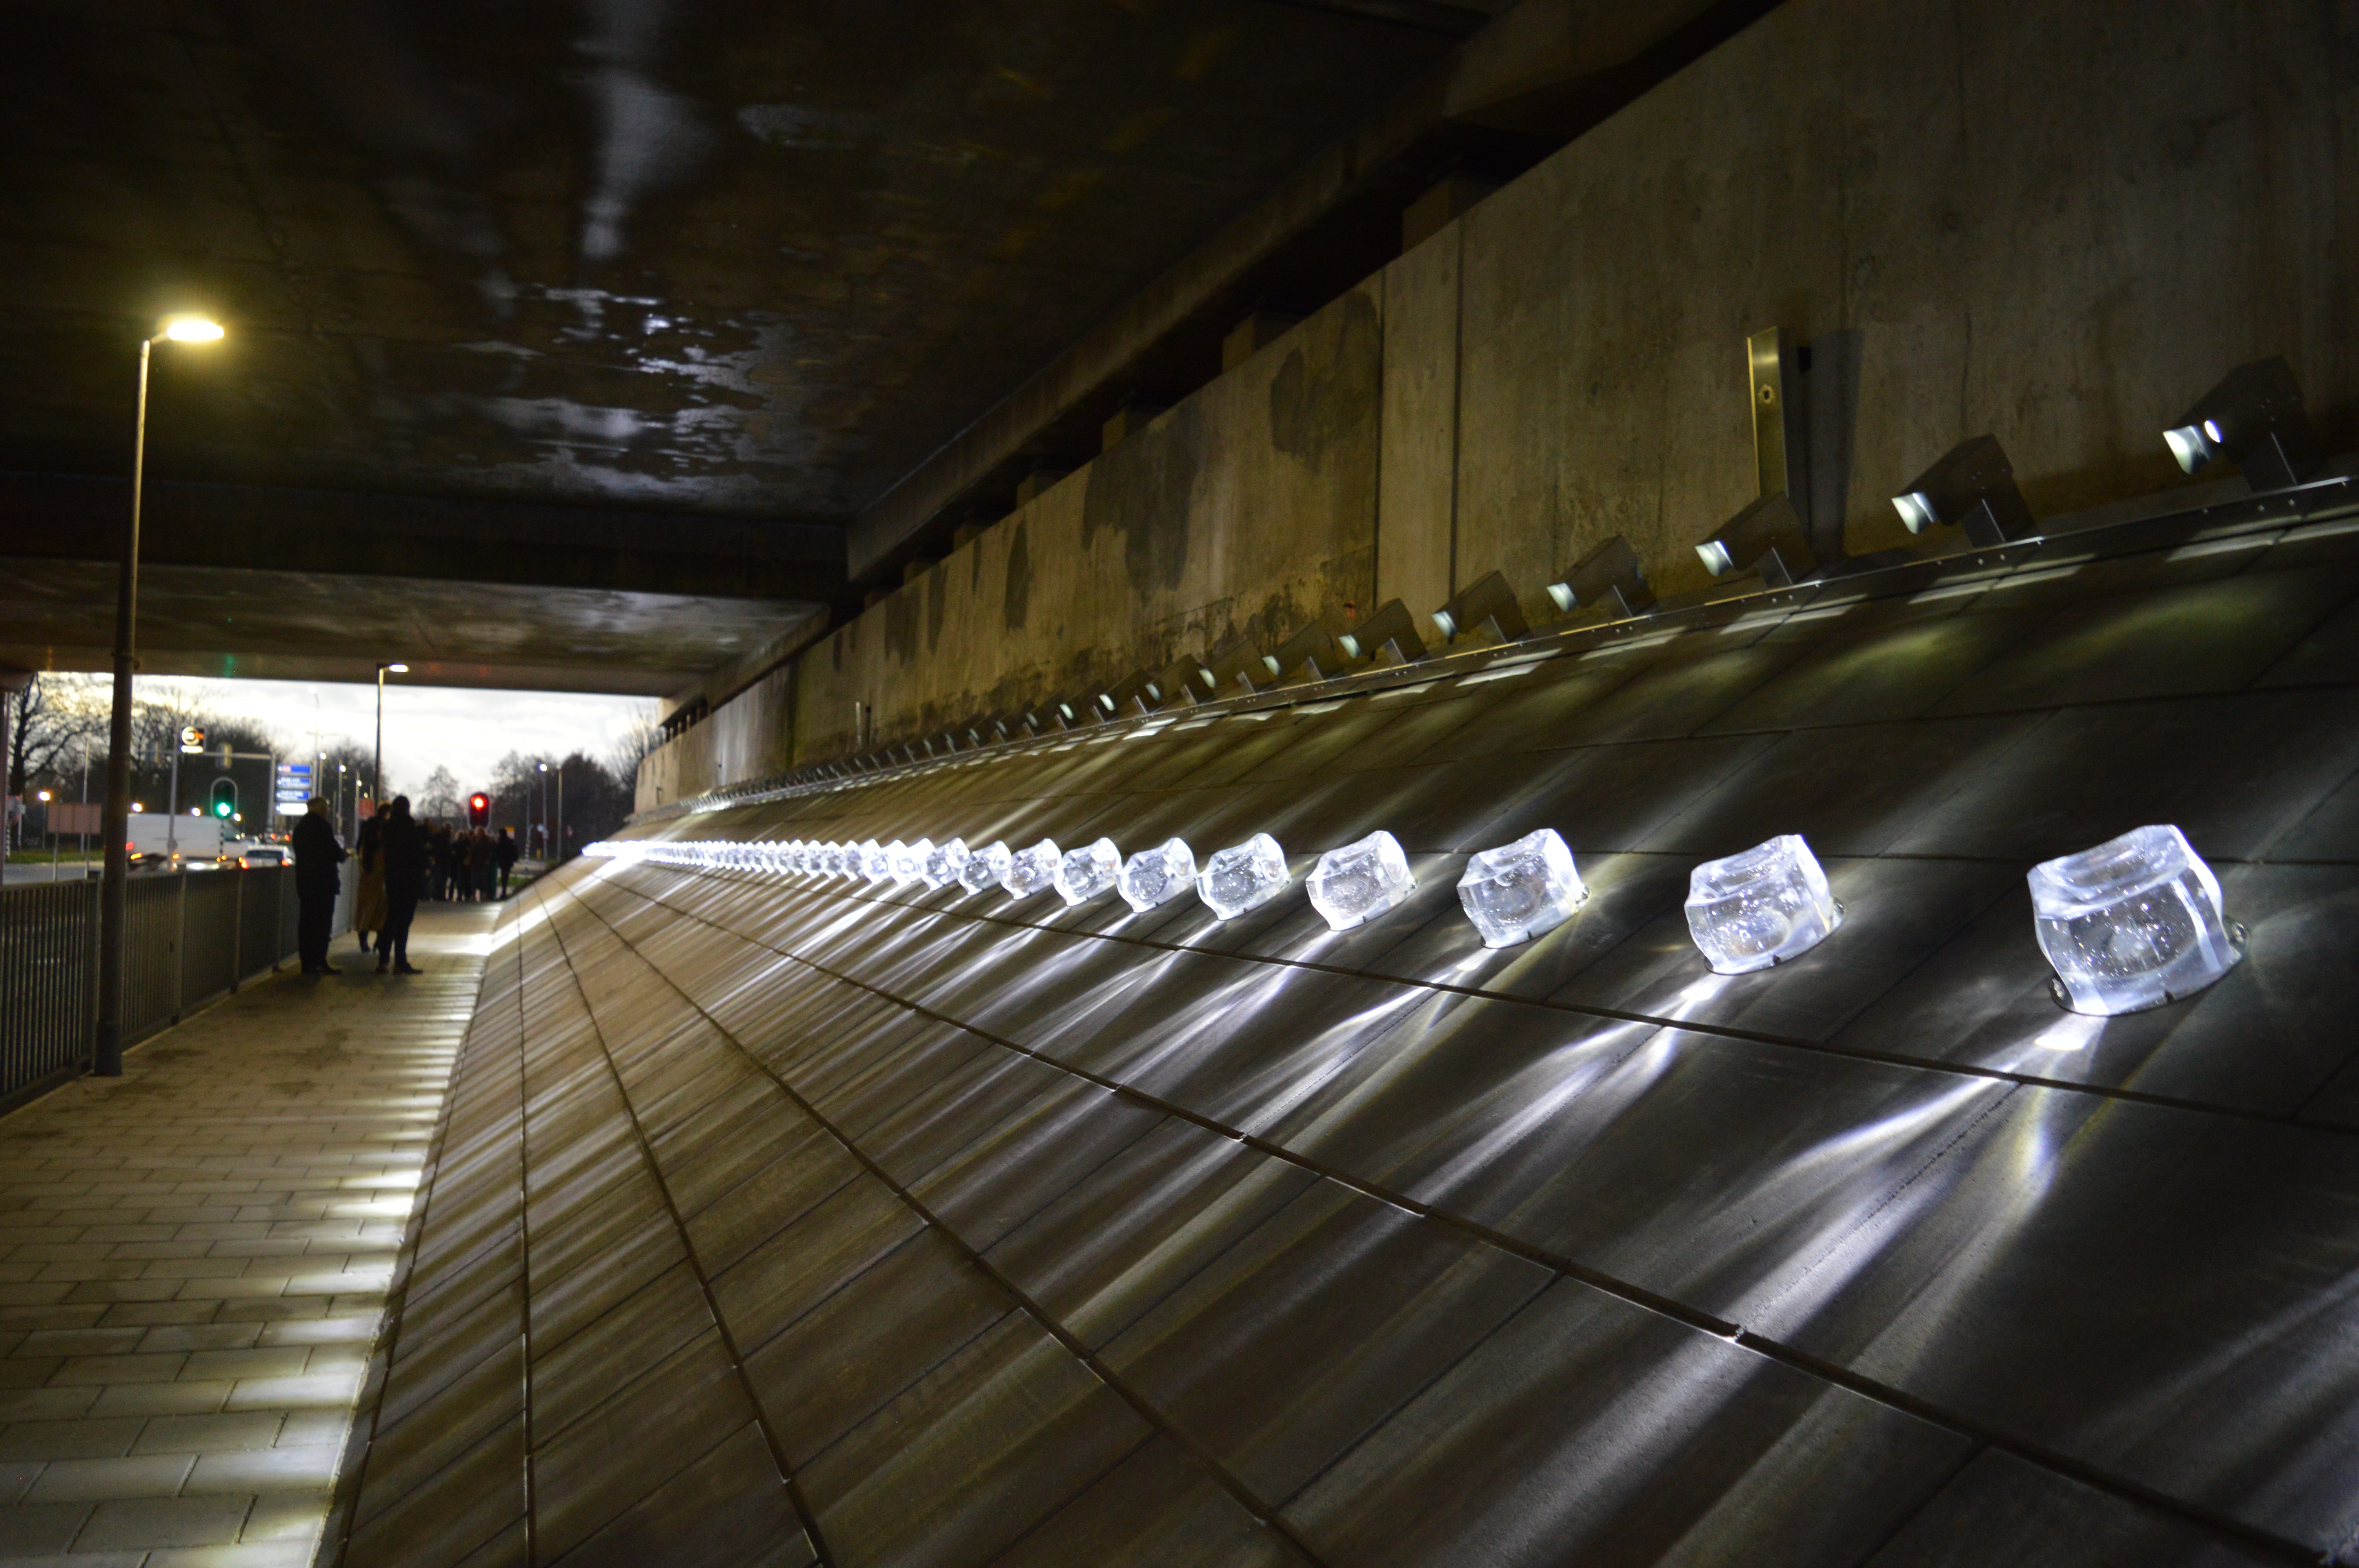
(1157, 876)
(1030, 870)
(2132, 923)
(1765, 906)
(1243, 876)
(1519, 889)
(947, 861)
(1086, 872)
(984, 867)
(1353, 885)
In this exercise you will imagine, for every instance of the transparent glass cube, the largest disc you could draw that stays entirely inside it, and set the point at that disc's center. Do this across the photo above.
(2133, 923)
(1243, 876)
(1762, 907)
(1353, 885)
(875, 863)
(1517, 891)
(1157, 876)
(1084, 873)
(944, 863)
(985, 867)
(909, 861)
(1030, 870)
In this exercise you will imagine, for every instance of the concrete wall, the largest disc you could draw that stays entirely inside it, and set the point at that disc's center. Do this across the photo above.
(2058, 221)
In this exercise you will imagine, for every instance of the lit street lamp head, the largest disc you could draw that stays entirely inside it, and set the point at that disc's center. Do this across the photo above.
(192, 329)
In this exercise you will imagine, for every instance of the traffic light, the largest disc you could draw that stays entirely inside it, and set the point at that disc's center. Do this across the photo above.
(224, 798)
(479, 809)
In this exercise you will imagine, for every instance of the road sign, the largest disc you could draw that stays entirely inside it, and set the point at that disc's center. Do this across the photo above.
(192, 738)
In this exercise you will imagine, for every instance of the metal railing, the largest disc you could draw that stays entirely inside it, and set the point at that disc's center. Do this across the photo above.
(188, 937)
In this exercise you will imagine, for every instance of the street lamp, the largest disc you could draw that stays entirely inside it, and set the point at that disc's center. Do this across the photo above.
(106, 1044)
(544, 811)
(376, 780)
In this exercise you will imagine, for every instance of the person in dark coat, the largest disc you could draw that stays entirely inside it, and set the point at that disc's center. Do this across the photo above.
(405, 876)
(317, 856)
(507, 854)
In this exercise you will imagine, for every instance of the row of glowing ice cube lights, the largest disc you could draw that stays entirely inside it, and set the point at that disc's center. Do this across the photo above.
(2132, 923)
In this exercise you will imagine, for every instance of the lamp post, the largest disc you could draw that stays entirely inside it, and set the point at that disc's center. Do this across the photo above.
(543, 781)
(376, 779)
(106, 1044)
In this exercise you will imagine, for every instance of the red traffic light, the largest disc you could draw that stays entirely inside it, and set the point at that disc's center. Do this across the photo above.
(479, 809)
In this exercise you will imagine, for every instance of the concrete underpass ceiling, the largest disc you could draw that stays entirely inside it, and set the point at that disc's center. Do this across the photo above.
(288, 625)
(755, 261)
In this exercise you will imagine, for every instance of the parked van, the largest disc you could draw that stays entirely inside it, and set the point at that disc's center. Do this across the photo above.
(191, 839)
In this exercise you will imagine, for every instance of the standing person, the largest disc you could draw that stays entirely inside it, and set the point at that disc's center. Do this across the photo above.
(317, 855)
(507, 854)
(487, 867)
(368, 899)
(438, 861)
(405, 875)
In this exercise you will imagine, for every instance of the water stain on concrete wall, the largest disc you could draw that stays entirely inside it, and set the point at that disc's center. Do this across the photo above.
(937, 587)
(1145, 489)
(1018, 602)
(1321, 396)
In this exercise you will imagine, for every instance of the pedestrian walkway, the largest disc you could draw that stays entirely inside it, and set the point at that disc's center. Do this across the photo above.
(193, 1261)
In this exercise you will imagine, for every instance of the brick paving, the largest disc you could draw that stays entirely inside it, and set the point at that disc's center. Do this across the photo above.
(193, 1261)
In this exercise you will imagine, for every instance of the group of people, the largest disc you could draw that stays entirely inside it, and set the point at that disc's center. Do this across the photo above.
(402, 861)
(469, 866)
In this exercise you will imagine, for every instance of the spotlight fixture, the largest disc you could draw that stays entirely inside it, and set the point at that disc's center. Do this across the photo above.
(1030, 870)
(984, 867)
(1242, 666)
(1767, 537)
(1971, 487)
(2133, 923)
(1762, 907)
(1609, 579)
(2255, 418)
(1243, 876)
(1489, 602)
(1392, 626)
(1316, 646)
(1353, 885)
(1517, 891)
(944, 863)
(1158, 875)
(1086, 872)
(1185, 679)
(1135, 694)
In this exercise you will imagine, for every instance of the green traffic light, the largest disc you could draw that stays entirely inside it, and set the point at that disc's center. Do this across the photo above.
(220, 808)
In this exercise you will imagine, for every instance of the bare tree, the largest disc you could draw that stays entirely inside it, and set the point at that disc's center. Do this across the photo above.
(439, 797)
(49, 723)
(641, 735)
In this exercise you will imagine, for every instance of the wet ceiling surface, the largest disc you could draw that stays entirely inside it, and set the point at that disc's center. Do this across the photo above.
(857, 1225)
(730, 258)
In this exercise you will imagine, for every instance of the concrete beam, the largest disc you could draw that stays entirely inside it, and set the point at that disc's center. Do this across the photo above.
(281, 626)
(74, 517)
(1538, 75)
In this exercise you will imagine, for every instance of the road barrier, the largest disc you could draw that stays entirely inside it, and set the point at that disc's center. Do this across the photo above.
(188, 937)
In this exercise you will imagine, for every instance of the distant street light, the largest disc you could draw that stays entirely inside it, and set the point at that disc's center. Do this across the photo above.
(106, 1044)
(377, 780)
